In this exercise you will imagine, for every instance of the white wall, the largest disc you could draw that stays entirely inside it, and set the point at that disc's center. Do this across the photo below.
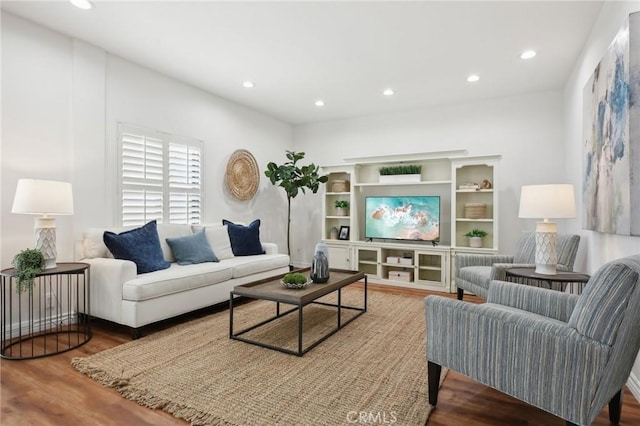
(526, 130)
(61, 102)
(600, 248)
(36, 126)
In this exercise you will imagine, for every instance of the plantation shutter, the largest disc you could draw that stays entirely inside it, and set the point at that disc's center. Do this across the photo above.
(184, 183)
(160, 177)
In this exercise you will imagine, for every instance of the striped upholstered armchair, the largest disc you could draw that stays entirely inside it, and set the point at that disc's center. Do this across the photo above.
(474, 272)
(566, 354)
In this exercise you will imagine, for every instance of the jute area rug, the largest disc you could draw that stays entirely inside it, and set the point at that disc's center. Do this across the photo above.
(371, 371)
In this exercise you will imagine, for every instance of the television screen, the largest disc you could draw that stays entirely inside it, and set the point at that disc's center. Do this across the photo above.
(403, 218)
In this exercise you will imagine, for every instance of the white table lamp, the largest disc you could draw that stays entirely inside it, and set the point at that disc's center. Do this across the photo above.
(547, 202)
(44, 197)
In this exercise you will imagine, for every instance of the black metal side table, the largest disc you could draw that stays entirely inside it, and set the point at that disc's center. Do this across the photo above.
(50, 318)
(558, 281)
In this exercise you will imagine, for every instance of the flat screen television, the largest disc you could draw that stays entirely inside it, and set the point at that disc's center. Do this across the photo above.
(415, 218)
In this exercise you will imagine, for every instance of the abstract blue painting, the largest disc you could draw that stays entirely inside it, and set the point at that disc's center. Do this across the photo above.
(611, 154)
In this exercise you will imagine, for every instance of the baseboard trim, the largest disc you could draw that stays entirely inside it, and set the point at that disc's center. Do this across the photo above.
(39, 326)
(634, 386)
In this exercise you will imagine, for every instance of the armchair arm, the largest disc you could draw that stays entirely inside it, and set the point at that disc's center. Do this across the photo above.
(538, 360)
(541, 301)
(464, 259)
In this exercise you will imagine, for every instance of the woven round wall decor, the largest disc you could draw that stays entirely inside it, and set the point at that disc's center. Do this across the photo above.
(242, 176)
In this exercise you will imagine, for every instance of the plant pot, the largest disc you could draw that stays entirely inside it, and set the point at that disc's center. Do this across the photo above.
(475, 242)
(342, 211)
(399, 178)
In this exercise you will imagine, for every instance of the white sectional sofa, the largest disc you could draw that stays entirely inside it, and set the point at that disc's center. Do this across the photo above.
(119, 294)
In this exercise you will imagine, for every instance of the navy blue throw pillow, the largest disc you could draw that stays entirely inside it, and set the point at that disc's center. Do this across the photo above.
(245, 240)
(192, 249)
(139, 245)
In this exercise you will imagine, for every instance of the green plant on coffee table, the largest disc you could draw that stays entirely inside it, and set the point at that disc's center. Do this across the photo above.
(28, 263)
(341, 204)
(295, 280)
(476, 233)
(409, 169)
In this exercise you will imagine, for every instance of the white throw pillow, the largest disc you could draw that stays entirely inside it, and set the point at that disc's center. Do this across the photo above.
(171, 230)
(92, 244)
(218, 238)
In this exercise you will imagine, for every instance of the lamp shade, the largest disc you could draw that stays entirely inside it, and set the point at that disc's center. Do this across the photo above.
(547, 202)
(43, 197)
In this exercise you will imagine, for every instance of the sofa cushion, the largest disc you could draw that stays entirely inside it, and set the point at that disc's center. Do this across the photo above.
(192, 249)
(249, 265)
(175, 280)
(245, 240)
(171, 230)
(218, 238)
(139, 245)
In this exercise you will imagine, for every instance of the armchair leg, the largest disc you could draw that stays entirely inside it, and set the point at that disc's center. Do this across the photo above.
(433, 374)
(615, 408)
(460, 293)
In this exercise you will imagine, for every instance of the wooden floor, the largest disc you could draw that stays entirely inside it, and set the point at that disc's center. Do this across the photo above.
(48, 391)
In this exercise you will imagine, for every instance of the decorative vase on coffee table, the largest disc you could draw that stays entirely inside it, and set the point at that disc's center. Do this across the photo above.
(320, 264)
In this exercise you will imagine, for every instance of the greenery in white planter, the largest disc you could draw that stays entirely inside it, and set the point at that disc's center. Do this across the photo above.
(409, 169)
(341, 204)
(476, 233)
(475, 237)
(28, 263)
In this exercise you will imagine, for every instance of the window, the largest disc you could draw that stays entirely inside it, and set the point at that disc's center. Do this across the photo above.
(160, 177)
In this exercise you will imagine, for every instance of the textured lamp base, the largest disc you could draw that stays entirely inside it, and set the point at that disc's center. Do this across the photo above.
(546, 253)
(45, 233)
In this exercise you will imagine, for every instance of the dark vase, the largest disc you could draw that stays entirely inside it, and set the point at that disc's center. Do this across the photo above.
(320, 268)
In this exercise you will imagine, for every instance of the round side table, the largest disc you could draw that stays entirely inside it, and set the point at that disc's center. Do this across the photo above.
(558, 281)
(50, 318)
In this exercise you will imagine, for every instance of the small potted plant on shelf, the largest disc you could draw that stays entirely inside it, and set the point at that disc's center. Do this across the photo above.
(28, 263)
(475, 237)
(400, 173)
(342, 207)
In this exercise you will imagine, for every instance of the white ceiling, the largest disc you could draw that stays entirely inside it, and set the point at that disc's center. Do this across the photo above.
(345, 53)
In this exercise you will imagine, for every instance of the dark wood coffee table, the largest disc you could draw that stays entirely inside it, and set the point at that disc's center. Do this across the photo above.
(271, 289)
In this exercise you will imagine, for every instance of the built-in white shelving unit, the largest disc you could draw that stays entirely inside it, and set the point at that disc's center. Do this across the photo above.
(442, 174)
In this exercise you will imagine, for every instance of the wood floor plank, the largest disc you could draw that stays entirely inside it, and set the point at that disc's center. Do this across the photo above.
(49, 391)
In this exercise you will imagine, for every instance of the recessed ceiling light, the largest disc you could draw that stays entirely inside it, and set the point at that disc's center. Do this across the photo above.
(473, 78)
(82, 4)
(248, 84)
(388, 92)
(528, 54)
(319, 103)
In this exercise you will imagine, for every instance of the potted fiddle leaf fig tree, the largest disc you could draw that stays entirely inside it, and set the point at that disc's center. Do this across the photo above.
(294, 178)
